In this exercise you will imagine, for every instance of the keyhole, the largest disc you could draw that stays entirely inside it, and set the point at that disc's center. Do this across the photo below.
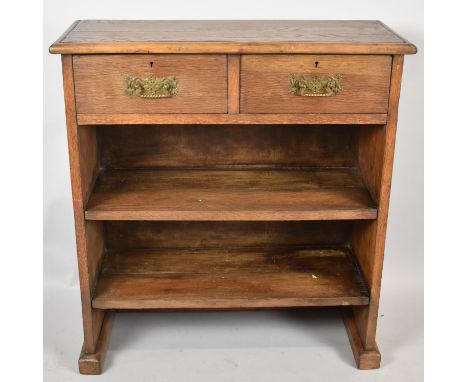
(316, 64)
(151, 63)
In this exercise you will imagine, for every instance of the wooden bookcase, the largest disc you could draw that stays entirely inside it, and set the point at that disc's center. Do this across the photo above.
(230, 165)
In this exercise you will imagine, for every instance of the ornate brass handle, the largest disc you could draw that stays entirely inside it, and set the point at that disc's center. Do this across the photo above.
(315, 86)
(151, 87)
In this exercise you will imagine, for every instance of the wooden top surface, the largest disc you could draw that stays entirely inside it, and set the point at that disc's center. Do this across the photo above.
(233, 36)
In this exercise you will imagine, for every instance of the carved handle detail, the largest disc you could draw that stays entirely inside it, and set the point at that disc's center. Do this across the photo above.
(315, 86)
(151, 87)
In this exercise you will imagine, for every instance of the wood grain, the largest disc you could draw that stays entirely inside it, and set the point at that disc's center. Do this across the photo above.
(204, 146)
(233, 83)
(89, 158)
(233, 194)
(366, 358)
(229, 119)
(314, 194)
(93, 363)
(265, 83)
(231, 36)
(89, 237)
(376, 162)
(100, 83)
(224, 278)
(144, 235)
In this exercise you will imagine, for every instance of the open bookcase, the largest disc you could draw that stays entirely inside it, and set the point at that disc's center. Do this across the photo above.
(203, 216)
(220, 216)
(235, 172)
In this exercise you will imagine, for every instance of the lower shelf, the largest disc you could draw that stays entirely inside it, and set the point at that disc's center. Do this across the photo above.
(229, 279)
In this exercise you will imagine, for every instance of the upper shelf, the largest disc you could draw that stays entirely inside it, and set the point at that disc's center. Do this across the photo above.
(258, 194)
(231, 36)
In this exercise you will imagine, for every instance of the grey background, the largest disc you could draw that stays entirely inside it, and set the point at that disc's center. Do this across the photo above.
(239, 346)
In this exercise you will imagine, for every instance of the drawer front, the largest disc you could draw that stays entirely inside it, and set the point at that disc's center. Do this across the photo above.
(140, 84)
(363, 84)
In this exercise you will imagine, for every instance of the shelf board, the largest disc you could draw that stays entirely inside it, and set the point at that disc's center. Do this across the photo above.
(229, 278)
(233, 194)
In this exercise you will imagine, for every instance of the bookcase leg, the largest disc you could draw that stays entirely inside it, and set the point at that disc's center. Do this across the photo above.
(92, 363)
(365, 358)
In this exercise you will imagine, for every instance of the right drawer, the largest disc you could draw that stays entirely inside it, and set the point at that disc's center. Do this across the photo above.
(315, 83)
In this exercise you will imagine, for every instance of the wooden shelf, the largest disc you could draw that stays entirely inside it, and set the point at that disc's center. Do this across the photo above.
(254, 194)
(229, 278)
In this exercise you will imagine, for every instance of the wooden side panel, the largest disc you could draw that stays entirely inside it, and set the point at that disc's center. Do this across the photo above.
(366, 358)
(376, 152)
(371, 143)
(94, 363)
(89, 235)
(230, 145)
(89, 158)
(128, 235)
(265, 83)
(371, 163)
(100, 83)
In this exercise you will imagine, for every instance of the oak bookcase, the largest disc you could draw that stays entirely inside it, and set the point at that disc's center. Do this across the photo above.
(230, 165)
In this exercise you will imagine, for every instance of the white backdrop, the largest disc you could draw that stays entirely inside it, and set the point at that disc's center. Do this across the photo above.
(273, 346)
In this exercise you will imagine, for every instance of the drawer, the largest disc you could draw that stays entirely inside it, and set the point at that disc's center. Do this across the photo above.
(140, 84)
(362, 85)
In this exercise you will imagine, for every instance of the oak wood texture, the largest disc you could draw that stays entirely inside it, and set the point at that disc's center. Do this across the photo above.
(93, 363)
(100, 83)
(229, 278)
(204, 146)
(124, 236)
(376, 161)
(233, 194)
(265, 83)
(233, 83)
(89, 237)
(231, 36)
(313, 194)
(229, 119)
(366, 358)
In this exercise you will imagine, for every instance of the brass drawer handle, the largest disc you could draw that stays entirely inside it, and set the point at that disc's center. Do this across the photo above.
(315, 86)
(151, 87)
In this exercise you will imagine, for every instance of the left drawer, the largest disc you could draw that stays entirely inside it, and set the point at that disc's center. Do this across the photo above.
(150, 83)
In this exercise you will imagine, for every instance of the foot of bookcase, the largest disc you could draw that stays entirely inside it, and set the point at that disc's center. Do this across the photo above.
(365, 358)
(93, 363)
